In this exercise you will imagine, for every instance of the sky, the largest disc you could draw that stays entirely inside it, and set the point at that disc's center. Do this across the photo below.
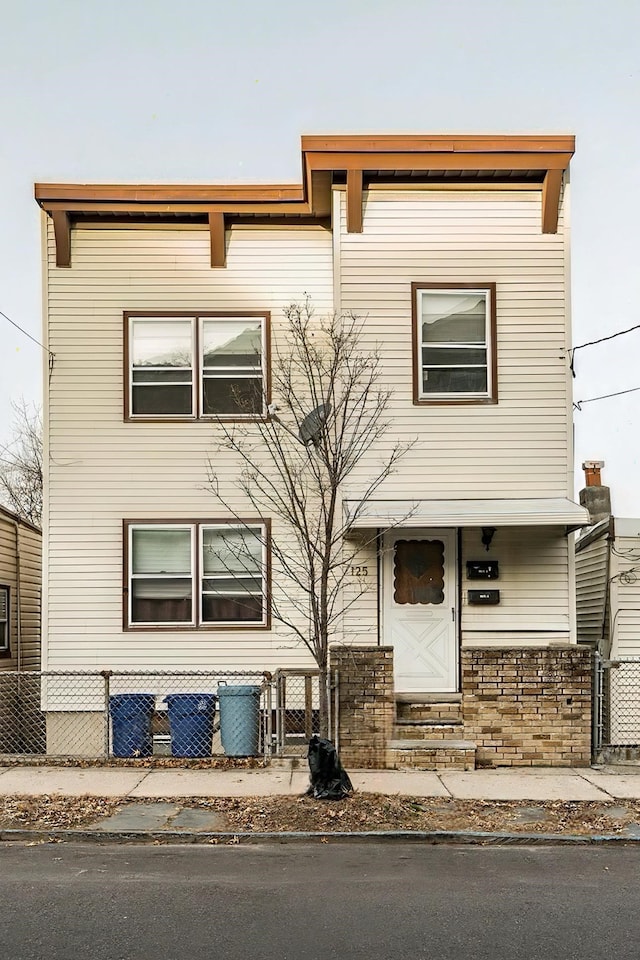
(220, 92)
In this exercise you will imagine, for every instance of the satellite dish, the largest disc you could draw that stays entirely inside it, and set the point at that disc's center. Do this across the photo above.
(311, 427)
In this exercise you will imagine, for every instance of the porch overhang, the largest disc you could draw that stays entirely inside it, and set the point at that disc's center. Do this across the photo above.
(530, 512)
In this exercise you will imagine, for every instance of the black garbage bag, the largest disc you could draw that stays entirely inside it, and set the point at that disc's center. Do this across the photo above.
(329, 779)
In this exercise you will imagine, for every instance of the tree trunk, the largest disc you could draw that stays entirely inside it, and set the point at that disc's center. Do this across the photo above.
(323, 701)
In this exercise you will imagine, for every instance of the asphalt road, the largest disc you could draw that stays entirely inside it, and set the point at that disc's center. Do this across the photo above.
(317, 902)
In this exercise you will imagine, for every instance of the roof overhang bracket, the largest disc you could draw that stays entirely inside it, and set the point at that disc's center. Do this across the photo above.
(354, 201)
(551, 188)
(62, 235)
(217, 238)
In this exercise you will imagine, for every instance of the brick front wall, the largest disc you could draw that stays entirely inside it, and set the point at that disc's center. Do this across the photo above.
(528, 707)
(367, 706)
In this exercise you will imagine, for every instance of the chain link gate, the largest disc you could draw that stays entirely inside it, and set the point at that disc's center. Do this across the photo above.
(616, 710)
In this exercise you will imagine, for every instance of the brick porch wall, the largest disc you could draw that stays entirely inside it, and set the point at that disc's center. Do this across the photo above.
(367, 704)
(528, 707)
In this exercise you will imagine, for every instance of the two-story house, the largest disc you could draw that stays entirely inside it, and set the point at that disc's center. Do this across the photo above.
(456, 251)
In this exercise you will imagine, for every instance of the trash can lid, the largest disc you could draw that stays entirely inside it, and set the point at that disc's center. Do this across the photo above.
(238, 690)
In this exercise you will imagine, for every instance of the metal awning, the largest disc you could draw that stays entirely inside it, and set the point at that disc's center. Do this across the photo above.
(538, 512)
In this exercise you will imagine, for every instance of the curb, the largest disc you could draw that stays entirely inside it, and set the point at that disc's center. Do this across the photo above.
(431, 837)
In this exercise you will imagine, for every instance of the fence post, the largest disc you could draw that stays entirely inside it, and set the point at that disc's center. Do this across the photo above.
(106, 675)
(267, 725)
(308, 706)
(336, 709)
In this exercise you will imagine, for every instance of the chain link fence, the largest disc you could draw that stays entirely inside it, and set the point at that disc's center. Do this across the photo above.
(131, 715)
(186, 714)
(616, 709)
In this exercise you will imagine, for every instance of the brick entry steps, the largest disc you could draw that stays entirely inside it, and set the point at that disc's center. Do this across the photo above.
(428, 734)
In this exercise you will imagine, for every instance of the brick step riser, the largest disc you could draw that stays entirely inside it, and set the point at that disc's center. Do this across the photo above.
(428, 732)
(439, 712)
(431, 760)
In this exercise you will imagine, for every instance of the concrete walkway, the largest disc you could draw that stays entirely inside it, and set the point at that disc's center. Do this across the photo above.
(536, 783)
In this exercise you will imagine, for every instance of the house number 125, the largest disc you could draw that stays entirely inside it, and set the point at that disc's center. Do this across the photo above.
(359, 571)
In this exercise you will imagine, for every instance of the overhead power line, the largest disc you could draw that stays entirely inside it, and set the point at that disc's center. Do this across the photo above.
(26, 333)
(592, 343)
(578, 403)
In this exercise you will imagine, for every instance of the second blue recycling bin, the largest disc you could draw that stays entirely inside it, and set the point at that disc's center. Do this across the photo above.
(239, 719)
(131, 715)
(191, 723)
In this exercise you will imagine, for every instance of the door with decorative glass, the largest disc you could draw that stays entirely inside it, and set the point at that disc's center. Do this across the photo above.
(419, 609)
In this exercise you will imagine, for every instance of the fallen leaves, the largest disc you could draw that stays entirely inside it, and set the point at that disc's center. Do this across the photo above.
(359, 812)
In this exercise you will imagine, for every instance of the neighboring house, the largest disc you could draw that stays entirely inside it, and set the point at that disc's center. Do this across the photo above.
(21, 725)
(608, 616)
(456, 250)
(20, 591)
(608, 587)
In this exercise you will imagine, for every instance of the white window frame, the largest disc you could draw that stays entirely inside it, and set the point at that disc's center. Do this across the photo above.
(197, 321)
(131, 576)
(488, 291)
(240, 372)
(197, 576)
(262, 575)
(151, 318)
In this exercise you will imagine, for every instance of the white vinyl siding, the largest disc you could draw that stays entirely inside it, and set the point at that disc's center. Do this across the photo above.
(592, 590)
(103, 470)
(533, 581)
(520, 446)
(625, 597)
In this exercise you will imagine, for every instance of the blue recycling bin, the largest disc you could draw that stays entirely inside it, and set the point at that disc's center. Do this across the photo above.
(191, 723)
(131, 715)
(240, 719)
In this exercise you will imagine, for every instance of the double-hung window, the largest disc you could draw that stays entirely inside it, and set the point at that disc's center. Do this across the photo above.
(4, 621)
(207, 574)
(454, 342)
(196, 366)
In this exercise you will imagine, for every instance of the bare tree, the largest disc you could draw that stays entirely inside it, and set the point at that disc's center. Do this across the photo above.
(21, 463)
(329, 410)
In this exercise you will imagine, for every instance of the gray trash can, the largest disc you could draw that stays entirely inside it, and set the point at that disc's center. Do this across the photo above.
(239, 706)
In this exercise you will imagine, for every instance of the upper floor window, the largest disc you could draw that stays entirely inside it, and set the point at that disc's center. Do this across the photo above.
(194, 366)
(204, 574)
(454, 342)
(4, 620)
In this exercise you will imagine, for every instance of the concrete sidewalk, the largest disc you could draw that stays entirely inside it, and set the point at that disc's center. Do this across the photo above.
(535, 783)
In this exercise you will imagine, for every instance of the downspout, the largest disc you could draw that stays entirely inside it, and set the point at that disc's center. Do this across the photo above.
(18, 600)
(606, 607)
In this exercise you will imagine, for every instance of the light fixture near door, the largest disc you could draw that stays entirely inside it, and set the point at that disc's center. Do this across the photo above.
(487, 536)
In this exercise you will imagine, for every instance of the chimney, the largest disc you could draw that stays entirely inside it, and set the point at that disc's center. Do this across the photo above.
(595, 497)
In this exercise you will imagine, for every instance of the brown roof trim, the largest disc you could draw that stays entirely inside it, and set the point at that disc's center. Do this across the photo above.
(16, 518)
(169, 193)
(445, 143)
(322, 158)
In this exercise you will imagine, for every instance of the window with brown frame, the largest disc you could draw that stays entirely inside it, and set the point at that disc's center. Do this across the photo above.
(197, 574)
(191, 366)
(454, 342)
(4, 621)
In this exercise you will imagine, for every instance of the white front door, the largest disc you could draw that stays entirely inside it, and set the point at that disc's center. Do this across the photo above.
(419, 609)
